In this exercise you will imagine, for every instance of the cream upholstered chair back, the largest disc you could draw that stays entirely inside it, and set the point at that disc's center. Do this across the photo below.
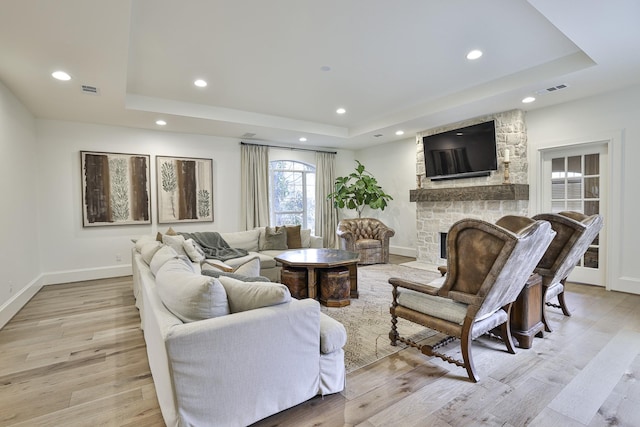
(574, 233)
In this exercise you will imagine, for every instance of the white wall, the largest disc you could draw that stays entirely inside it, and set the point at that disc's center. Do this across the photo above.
(70, 252)
(19, 255)
(617, 116)
(394, 166)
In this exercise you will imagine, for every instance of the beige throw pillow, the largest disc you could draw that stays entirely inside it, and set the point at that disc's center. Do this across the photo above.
(243, 296)
(193, 250)
(164, 254)
(176, 242)
(149, 250)
(190, 296)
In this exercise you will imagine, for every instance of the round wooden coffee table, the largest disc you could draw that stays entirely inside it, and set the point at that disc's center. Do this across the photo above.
(314, 260)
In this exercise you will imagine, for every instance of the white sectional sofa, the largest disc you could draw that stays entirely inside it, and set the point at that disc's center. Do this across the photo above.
(254, 242)
(241, 366)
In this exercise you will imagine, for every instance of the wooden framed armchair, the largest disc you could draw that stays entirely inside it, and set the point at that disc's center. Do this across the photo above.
(367, 236)
(488, 265)
(574, 233)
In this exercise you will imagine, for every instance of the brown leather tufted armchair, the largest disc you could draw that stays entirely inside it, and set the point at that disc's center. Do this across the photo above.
(367, 236)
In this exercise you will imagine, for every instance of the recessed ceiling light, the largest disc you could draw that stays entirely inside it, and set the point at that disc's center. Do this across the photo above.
(474, 54)
(528, 99)
(61, 75)
(341, 111)
(200, 83)
(161, 122)
(399, 132)
(302, 139)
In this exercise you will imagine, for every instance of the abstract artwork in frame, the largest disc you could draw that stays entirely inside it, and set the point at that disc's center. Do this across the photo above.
(185, 189)
(115, 189)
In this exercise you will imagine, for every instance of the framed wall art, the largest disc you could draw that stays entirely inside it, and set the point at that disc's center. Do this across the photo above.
(115, 189)
(185, 189)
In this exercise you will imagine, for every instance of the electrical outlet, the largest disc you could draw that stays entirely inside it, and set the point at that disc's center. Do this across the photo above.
(118, 258)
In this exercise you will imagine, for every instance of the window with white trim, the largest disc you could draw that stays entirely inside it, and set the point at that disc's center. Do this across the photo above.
(293, 193)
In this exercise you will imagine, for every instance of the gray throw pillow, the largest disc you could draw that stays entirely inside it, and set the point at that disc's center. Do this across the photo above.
(275, 239)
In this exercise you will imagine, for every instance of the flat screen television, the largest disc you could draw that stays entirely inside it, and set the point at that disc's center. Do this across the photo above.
(461, 153)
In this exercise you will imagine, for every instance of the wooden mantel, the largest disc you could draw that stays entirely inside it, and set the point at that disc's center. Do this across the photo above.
(479, 192)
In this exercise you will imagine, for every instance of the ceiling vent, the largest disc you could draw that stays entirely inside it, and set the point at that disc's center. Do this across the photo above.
(248, 135)
(90, 90)
(551, 89)
(377, 135)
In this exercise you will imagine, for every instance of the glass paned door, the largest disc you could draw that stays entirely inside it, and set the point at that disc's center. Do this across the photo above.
(573, 179)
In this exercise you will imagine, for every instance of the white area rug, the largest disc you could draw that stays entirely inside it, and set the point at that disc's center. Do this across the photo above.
(367, 319)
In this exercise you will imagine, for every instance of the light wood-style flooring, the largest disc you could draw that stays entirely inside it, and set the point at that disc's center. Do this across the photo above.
(75, 356)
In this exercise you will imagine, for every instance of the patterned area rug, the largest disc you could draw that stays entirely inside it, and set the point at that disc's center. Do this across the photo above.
(367, 318)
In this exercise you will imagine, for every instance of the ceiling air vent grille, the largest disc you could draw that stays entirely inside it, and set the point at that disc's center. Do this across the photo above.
(90, 90)
(377, 135)
(551, 89)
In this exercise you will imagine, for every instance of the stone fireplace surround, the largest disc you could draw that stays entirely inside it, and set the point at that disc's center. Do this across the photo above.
(442, 203)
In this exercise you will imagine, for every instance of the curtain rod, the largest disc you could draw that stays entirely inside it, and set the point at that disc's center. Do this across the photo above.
(288, 148)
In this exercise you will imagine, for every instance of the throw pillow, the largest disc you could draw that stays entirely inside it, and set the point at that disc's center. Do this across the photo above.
(171, 232)
(142, 240)
(294, 239)
(193, 250)
(176, 242)
(275, 239)
(149, 250)
(305, 237)
(164, 254)
(190, 296)
(243, 296)
(251, 267)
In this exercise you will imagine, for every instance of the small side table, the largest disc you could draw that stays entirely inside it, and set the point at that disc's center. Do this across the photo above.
(526, 313)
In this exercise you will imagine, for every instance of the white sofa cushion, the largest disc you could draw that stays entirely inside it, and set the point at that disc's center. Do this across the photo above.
(149, 250)
(143, 240)
(176, 242)
(244, 296)
(247, 240)
(162, 255)
(190, 296)
(193, 250)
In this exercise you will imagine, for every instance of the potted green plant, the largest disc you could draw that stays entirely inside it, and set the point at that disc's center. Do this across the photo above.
(357, 190)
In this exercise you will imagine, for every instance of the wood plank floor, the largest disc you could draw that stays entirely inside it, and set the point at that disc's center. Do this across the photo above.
(75, 356)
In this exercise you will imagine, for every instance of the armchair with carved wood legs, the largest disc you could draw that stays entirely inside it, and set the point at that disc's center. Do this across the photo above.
(488, 265)
(574, 233)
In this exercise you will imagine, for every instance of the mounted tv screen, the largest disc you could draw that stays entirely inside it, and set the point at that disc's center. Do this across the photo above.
(461, 153)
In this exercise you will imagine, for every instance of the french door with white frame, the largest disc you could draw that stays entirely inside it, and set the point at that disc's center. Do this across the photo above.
(575, 179)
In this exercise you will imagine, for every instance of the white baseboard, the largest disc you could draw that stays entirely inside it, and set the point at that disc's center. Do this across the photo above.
(403, 251)
(626, 284)
(68, 276)
(16, 302)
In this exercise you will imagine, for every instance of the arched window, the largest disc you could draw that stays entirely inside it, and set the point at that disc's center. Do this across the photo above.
(293, 193)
